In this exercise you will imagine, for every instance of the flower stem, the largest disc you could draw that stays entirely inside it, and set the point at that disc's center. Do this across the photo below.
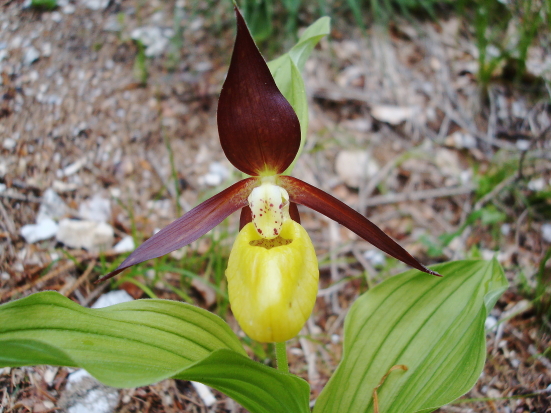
(281, 357)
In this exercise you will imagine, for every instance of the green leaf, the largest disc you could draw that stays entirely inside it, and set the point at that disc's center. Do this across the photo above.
(142, 342)
(434, 326)
(125, 345)
(257, 387)
(44, 4)
(286, 72)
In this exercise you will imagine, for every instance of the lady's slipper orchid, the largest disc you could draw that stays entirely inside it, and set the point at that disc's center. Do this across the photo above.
(272, 271)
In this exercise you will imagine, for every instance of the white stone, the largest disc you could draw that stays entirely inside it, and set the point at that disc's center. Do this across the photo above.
(96, 209)
(49, 374)
(217, 174)
(47, 49)
(211, 179)
(96, 4)
(505, 229)
(490, 322)
(56, 16)
(392, 114)
(31, 55)
(72, 168)
(461, 140)
(43, 230)
(9, 144)
(536, 184)
(375, 257)
(353, 167)
(51, 207)
(89, 235)
(112, 298)
(33, 76)
(61, 186)
(204, 393)
(152, 38)
(523, 144)
(68, 9)
(125, 245)
(84, 394)
(546, 232)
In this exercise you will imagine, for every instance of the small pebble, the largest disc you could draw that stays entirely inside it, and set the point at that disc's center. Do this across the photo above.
(68, 9)
(112, 298)
(546, 232)
(38, 232)
(31, 56)
(125, 245)
(523, 145)
(505, 229)
(375, 257)
(490, 322)
(47, 49)
(9, 143)
(56, 16)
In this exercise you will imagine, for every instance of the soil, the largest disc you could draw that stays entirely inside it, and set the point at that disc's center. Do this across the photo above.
(90, 116)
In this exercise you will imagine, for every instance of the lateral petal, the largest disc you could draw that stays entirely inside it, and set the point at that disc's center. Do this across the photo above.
(312, 197)
(259, 130)
(191, 225)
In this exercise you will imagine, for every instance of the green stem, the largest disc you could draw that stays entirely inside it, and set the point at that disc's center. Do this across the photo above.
(281, 357)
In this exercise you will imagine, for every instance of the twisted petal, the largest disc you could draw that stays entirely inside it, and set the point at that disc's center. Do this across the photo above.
(190, 226)
(272, 284)
(259, 130)
(312, 197)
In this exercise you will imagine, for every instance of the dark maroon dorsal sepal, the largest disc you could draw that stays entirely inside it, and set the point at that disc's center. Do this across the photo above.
(259, 130)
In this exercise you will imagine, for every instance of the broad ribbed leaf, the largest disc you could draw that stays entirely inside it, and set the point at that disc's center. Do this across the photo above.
(142, 342)
(125, 345)
(286, 72)
(191, 225)
(261, 388)
(259, 130)
(312, 197)
(434, 326)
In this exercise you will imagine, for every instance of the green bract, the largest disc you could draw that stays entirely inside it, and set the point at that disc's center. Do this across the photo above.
(286, 72)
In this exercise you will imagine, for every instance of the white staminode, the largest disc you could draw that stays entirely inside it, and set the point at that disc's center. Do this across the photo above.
(270, 207)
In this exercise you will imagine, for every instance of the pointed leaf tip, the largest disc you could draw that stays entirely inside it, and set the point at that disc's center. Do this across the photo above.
(259, 130)
(190, 226)
(312, 197)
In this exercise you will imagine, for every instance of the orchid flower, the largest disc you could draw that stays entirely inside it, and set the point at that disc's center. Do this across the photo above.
(272, 271)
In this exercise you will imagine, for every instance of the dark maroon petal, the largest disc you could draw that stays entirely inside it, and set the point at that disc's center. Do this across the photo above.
(190, 226)
(259, 130)
(312, 197)
(245, 217)
(293, 212)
